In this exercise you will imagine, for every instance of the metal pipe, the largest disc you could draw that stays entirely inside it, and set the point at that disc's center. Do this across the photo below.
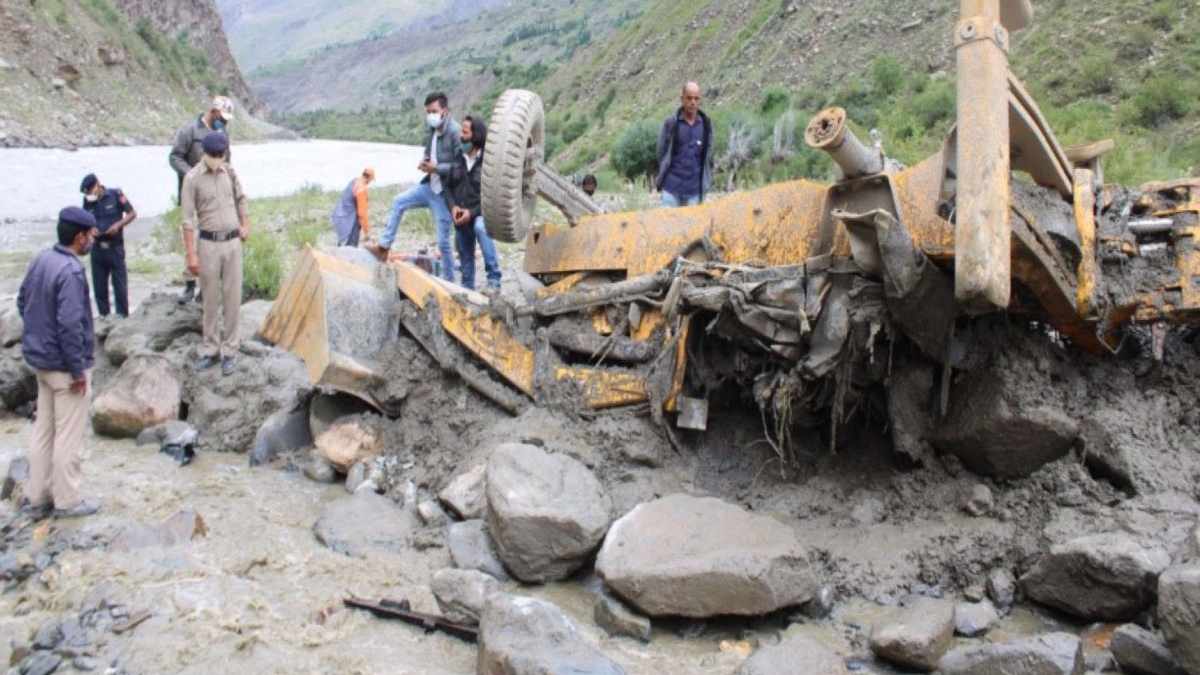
(828, 131)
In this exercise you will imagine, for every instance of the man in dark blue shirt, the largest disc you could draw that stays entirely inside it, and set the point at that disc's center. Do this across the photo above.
(59, 344)
(113, 213)
(685, 152)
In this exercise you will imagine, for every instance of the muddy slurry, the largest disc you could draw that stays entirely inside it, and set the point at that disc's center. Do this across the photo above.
(216, 566)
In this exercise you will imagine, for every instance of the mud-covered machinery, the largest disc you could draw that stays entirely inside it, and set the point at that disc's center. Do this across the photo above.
(795, 295)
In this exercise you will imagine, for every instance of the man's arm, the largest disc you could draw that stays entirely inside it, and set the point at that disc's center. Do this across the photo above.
(664, 137)
(179, 151)
(239, 202)
(127, 209)
(187, 208)
(73, 306)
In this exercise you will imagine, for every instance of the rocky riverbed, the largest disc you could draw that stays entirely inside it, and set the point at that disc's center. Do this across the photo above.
(594, 541)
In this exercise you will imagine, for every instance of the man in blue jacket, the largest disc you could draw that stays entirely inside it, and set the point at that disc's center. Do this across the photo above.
(58, 344)
(685, 152)
(442, 149)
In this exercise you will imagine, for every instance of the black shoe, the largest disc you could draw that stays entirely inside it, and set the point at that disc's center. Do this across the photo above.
(83, 508)
(206, 362)
(228, 365)
(188, 293)
(35, 512)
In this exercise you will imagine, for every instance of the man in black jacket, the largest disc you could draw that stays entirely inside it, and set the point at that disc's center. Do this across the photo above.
(685, 152)
(462, 198)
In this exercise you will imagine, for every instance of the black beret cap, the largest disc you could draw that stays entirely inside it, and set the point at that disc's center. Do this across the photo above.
(89, 182)
(215, 143)
(73, 215)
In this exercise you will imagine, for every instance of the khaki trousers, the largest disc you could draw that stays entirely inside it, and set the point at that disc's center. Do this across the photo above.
(56, 458)
(221, 284)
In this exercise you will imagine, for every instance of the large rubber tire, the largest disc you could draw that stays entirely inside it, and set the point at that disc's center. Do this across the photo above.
(509, 197)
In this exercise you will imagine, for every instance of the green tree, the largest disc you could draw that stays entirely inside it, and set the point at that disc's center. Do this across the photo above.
(636, 152)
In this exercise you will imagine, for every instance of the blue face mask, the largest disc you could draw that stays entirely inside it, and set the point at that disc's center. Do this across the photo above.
(218, 124)
(466, 146)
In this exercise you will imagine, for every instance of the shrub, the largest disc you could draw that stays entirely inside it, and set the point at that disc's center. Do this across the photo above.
(776, 99)
(1096, 74)
(1159, 100)
(636, 152)
(574, 130)
(262, 265)
(888, 74)
(936, 104)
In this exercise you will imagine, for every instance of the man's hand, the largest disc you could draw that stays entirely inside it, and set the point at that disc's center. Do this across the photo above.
(427, 166)
(193, 265)
(79, 386)
(243, 232)
(460, 215)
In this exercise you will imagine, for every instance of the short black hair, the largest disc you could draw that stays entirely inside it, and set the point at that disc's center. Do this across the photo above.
(67, 232)
(438, 96)
(589, 178)
(478, 131)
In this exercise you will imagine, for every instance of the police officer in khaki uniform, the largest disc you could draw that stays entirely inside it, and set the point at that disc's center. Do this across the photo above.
(214, 206)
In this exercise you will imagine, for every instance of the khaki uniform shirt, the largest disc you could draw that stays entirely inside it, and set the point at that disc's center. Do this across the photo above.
(212, 201)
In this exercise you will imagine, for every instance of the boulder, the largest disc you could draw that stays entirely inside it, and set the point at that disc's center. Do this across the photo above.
(546, 513)
(18, 382)
(1140, 652)
(1046, 654)
(143, 393)
(18, 473)
(431, 513)
(251, 317)
(12, 327)
(466, 495)
(997, 429)
(523, 636)
(1002, 588)
(284, 433)
(460, 594)
(916, 636)
(979, 502)
(229, 410)
(350, 440)
(618, 620)
(972, 619)
(797, 654)
(318, 470)
(356, 524)
(471, 548)
(158, 322)
(1179, 614)
(1101, 577)
(1189, 549)
(700, 557)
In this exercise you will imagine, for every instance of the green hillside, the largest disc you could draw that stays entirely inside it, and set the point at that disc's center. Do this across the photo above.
(609, 70)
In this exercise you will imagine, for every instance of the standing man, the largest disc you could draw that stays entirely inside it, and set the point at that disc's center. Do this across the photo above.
(186, 154)
(350, 216)
(214, 204)
(441, 150)
(59, 344)
(463, 188)
(685, 152)
(113, 213)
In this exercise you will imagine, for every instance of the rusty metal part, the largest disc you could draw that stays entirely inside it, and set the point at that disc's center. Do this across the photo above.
(573, 337)
(830, 132)
(402, 610)
(575, 300)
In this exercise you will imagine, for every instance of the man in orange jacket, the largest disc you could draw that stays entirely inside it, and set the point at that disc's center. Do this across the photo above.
(350, 217)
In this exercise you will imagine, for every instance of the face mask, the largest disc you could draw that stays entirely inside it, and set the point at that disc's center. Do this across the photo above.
(91, 197)
(466, 146)
(213, 163)
(434, 120)
(218, 124)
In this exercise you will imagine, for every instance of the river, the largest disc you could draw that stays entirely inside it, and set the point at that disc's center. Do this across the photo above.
(41, 181)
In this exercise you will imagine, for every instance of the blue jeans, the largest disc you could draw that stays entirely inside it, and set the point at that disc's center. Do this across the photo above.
(421, 196)
(465, 238)
(669, 199)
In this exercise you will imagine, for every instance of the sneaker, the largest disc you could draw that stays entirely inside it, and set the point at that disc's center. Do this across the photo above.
(206, 362)
(83, 508)
(35, 512)
(188, 294)
(228, 365)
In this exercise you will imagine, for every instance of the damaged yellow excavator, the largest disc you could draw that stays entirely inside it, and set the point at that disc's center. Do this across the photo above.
(788, 292)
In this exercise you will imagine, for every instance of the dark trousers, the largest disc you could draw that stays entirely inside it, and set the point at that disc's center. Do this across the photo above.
(110, 262)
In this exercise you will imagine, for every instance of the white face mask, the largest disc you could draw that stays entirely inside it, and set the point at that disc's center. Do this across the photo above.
(91, 197)
(434, 120)
(213, 163)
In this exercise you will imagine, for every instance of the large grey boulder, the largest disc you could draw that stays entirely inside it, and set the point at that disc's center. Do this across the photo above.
(144, 392)
(700, 557)
(230, 410)
(158, 322)
(466, 494)
(471, 548)
(792, 656)
(523, 636)
(357, 524)
(18, 382)
(617, 619)
(1102, 577)
(284, 433)
(997, 429)
(546, 513)
(1179, 614)
(1140, 652)
(1046, 654)
(460, 594)
(12, 327)
(916, 636)
(972, 619)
